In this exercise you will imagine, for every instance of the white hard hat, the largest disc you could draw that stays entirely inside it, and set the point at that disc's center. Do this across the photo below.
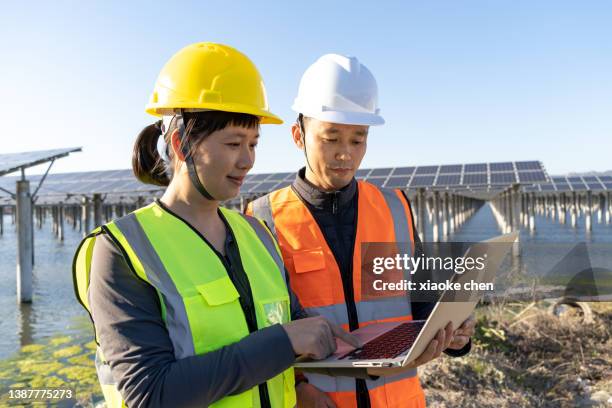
(339, 89)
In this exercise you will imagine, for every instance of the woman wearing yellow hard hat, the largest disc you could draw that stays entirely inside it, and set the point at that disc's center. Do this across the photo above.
(189, 300)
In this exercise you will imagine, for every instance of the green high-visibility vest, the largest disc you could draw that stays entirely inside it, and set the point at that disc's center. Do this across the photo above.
(200, 305)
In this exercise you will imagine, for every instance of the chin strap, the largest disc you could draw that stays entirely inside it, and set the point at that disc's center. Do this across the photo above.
(186, 150)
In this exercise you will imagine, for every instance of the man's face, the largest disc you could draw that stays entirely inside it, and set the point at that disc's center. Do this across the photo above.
(334, 151)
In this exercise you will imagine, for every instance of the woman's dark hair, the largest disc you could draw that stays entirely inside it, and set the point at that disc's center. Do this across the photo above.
(147, 164)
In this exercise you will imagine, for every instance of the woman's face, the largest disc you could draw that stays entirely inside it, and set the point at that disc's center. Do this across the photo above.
(224, 158)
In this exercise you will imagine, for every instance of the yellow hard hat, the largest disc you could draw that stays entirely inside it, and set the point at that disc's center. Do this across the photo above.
(208, 76)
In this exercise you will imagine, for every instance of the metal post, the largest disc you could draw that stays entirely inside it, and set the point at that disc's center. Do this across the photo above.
(1, 220)
(60, 221)
(574, 209)
(421, 213)
(435, 217)
(445, 215)
(587, 210)
(24, 238)
(532, 212)
(85, 218)
(607, 208)
(97, 207)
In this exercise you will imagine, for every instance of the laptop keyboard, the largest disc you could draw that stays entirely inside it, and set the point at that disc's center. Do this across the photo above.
(388, 345)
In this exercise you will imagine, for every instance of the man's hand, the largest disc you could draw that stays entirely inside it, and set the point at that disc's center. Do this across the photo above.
(309, 396)
(433, 351)
(462, 335)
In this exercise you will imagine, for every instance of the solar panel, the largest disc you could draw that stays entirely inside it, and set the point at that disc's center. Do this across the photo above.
(247, 186)
(380, 172)
(475, 168)
(448, 180)
(11, 162)
(279, 176)
(260, 177)
(574, 179)
(362, 173)
(531, 176)
(377, 181)
(506, 166)
(265, 187)
(452, 168)
(563, 186)
(590, 179)
(398, 182)
(547, 187)
(528, 165)
(403, 171)
(578, 186)
(422, 181)
(475, 178)
(594, 186)
(503, 178)
(605, 178)
(608, 185)
(426, 170)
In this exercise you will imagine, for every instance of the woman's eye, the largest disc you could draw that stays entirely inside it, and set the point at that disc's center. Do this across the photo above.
(233, 144)
(330, 140)
(254, 145)
(357, 142)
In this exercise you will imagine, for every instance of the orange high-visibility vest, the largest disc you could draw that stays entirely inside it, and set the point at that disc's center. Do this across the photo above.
(382, 216)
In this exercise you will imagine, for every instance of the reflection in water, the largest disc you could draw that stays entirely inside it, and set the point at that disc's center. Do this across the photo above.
(26, 323)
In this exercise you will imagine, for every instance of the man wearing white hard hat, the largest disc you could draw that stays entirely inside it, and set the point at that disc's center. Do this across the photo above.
(322, 219)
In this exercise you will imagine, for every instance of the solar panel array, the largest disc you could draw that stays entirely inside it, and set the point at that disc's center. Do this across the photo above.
(85, 183)
(12, 162)
(572, 183)
(454, 176)
(122, 183)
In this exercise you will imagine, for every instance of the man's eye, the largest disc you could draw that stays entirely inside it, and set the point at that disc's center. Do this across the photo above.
(330, 140)
(233, 144)
(253, 145)
(357, 142)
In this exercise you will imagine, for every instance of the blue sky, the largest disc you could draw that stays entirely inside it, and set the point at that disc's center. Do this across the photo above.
(467, 81)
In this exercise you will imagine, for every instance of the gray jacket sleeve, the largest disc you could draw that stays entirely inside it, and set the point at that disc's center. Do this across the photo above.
(135, 342)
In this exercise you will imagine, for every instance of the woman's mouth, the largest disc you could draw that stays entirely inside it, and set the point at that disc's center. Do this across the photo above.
(236, 180)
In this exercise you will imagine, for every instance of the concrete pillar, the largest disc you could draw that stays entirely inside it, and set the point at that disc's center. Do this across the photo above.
(587, 211)
(97, 207)
(24, 239)
(451, 214)
(563, 203)
(607, 208)
(574, 209)
(421, 214)
(435, 237)
(85, 217)
(445, 215)
(532, 212)
(60, 221)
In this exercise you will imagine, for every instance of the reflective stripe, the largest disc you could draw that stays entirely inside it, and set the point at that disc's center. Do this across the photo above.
(400, 223)
(263, 209)
(103, 370)
(370, 310)
(268, 241)
(342, 384)
(176, 314)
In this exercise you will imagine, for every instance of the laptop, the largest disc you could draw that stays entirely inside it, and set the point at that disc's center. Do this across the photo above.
(395, 344)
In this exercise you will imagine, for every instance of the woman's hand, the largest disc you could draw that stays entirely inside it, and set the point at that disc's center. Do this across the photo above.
(309, 396)
(315, 337)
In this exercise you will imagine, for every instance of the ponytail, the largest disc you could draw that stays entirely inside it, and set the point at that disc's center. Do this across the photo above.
(148, 166)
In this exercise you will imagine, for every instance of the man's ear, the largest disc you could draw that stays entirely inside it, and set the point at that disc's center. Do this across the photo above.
(175, 142)
(297, 136)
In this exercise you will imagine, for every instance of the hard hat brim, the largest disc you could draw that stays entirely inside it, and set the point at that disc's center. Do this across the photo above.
(266, 117)
(344, 118)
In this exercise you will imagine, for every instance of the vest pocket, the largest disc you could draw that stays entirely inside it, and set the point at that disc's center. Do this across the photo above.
(311, 281)
(218, 292)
